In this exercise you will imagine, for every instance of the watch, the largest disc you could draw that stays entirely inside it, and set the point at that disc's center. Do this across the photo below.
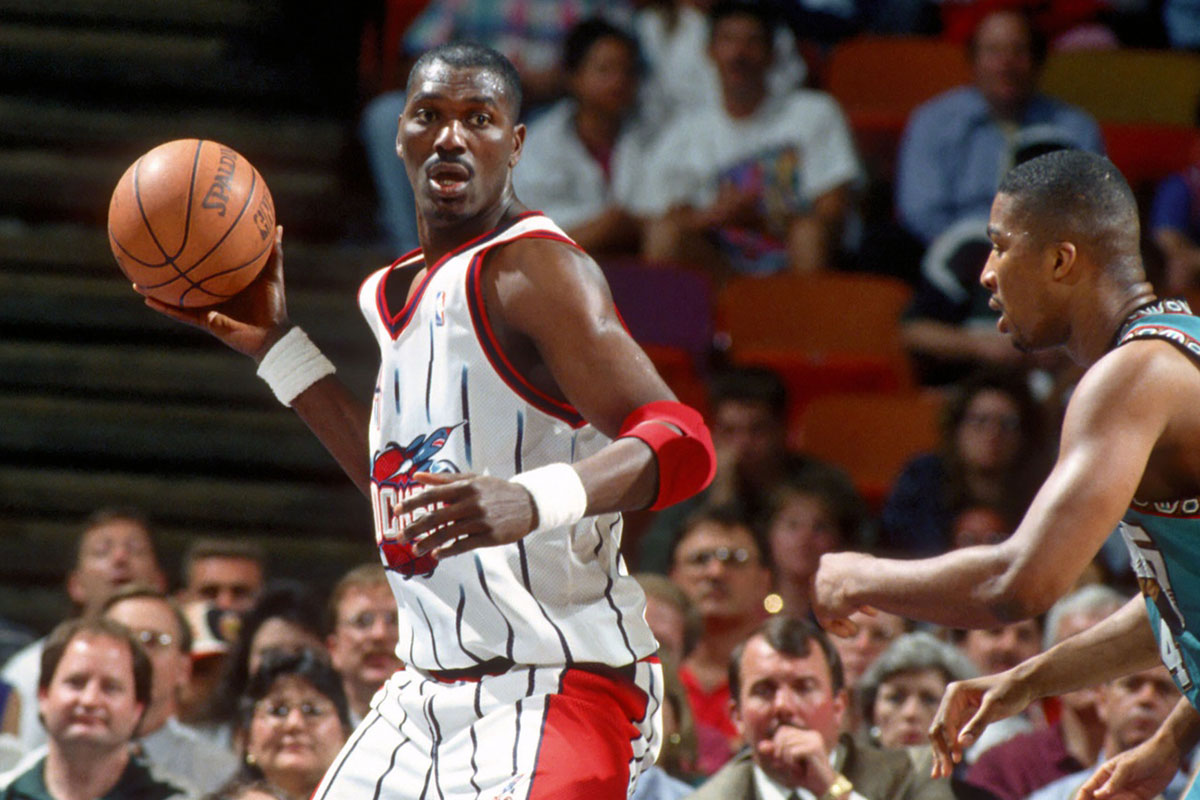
(839, 789)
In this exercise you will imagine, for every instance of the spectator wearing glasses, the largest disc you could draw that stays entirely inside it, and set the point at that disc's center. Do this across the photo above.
(718, 561)
(168, 744)
(293, 720)
(990, 454)
(363, 634)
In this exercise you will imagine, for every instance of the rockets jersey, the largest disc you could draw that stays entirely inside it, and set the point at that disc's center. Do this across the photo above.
(447, 400)
(1164, 537)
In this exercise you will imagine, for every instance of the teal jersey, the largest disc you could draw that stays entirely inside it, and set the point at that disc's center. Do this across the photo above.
(1164, 537)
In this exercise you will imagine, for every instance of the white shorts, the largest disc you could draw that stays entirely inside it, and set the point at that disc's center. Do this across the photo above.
(531, 733)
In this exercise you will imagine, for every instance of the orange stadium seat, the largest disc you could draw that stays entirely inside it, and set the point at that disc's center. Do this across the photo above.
(879, 80)
(823, 332)
(1130, 86)
(872, 436)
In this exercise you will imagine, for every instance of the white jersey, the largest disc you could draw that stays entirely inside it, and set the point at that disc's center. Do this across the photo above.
(448, 400)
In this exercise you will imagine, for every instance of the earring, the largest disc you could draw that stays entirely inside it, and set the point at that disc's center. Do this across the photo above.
(251, 760)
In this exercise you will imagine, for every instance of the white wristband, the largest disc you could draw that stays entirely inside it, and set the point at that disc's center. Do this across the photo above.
(292, 365)
(558, 494)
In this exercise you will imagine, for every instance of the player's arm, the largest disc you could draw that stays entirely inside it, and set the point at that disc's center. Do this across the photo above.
(1143, 772)
(556, 297)
(1115, 417)
(1120, 644)
(252, 323)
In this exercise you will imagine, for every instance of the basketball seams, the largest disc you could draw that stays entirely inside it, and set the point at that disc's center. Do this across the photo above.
(145, 208)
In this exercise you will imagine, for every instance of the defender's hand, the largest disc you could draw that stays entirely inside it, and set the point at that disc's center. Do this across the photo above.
(1137, 774)
(251, 321)
(967, 708)
(460, 512)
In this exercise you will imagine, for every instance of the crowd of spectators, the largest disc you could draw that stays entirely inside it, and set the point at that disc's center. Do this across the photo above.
(696, 135)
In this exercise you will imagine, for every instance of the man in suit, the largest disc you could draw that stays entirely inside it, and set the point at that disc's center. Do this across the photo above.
(788, 700)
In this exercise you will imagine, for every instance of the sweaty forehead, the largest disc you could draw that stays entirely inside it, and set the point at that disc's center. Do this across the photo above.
(439, 78)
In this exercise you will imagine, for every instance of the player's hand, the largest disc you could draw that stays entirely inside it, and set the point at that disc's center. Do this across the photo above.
(967, 708)
(830, 604)
(251, 321)
(458, 512)
(1137, 774)
(798, 756)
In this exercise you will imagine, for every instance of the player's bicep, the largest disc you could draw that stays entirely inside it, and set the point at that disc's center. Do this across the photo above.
(567, 311)
(1112, 424)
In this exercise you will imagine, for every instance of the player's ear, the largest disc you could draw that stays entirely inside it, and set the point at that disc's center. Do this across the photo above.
(1066, 258)
(518, 144)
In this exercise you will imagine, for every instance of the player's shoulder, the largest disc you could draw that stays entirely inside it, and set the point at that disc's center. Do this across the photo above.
(1143, 378)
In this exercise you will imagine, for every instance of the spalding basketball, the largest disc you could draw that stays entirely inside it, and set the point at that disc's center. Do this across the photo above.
(191, 223)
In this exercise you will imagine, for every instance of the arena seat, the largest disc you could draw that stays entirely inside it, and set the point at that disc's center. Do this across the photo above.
(1146, 152)
(872, 436)
(879, 80)
(1127, 85)
(823, 332)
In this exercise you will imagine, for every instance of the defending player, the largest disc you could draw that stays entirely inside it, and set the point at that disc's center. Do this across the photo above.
(1065, 270)
(512, 420)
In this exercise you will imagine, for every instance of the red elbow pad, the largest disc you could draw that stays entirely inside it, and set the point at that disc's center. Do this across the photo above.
(687, 461)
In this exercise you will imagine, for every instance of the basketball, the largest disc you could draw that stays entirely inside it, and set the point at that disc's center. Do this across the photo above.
(191, 223)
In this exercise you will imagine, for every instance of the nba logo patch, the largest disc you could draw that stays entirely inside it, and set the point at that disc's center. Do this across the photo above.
(439, 309)
(510, 789)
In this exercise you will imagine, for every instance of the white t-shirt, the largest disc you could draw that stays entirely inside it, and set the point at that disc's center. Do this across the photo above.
(557, 174)
(797, 146)
(680, 75)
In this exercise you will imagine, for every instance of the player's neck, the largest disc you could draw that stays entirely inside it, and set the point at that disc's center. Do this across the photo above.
(1091, 341)
(439, 239)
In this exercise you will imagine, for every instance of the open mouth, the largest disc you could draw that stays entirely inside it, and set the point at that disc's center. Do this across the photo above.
(448, 179)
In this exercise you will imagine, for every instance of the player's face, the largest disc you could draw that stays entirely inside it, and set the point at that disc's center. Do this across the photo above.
(156, 626)
(778, 689)
(228, 582)
(905, 705)
(607, 78)
(294, 735)
(720, 569)
(1017, 274)
(111, 555)
(459, 139)
(1133, 707)
(801, 532)
(90, 701)
(363, 644)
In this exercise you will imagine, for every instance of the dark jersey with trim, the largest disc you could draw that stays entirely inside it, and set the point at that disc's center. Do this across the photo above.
(448, 400)
(1164, 537)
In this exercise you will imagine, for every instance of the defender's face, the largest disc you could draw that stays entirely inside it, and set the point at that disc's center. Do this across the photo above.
(1016, 273)
(459, 140)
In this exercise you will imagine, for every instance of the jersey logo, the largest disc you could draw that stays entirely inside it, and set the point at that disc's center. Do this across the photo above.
(439, 309)
(392, 471)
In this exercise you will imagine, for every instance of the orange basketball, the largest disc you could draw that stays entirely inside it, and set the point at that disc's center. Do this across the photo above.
(191, 223)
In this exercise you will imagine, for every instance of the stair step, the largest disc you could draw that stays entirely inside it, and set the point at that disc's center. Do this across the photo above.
(216, 438)
(217, 15)
(270, 507)
(277, 139)
(58, 185)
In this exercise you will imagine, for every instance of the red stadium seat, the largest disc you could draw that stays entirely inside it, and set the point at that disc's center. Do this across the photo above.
(1146, 153)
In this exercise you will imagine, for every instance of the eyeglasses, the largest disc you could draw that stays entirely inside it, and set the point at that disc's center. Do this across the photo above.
(279, 711)
(154, 640)
(730, 556)
(365, 620)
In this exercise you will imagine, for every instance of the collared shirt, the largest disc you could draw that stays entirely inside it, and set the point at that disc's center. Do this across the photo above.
(136, 783)
(954, 152)
(768, 789)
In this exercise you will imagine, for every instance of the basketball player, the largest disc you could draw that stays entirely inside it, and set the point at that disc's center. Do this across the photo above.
(1065, 270)
(512, 421)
